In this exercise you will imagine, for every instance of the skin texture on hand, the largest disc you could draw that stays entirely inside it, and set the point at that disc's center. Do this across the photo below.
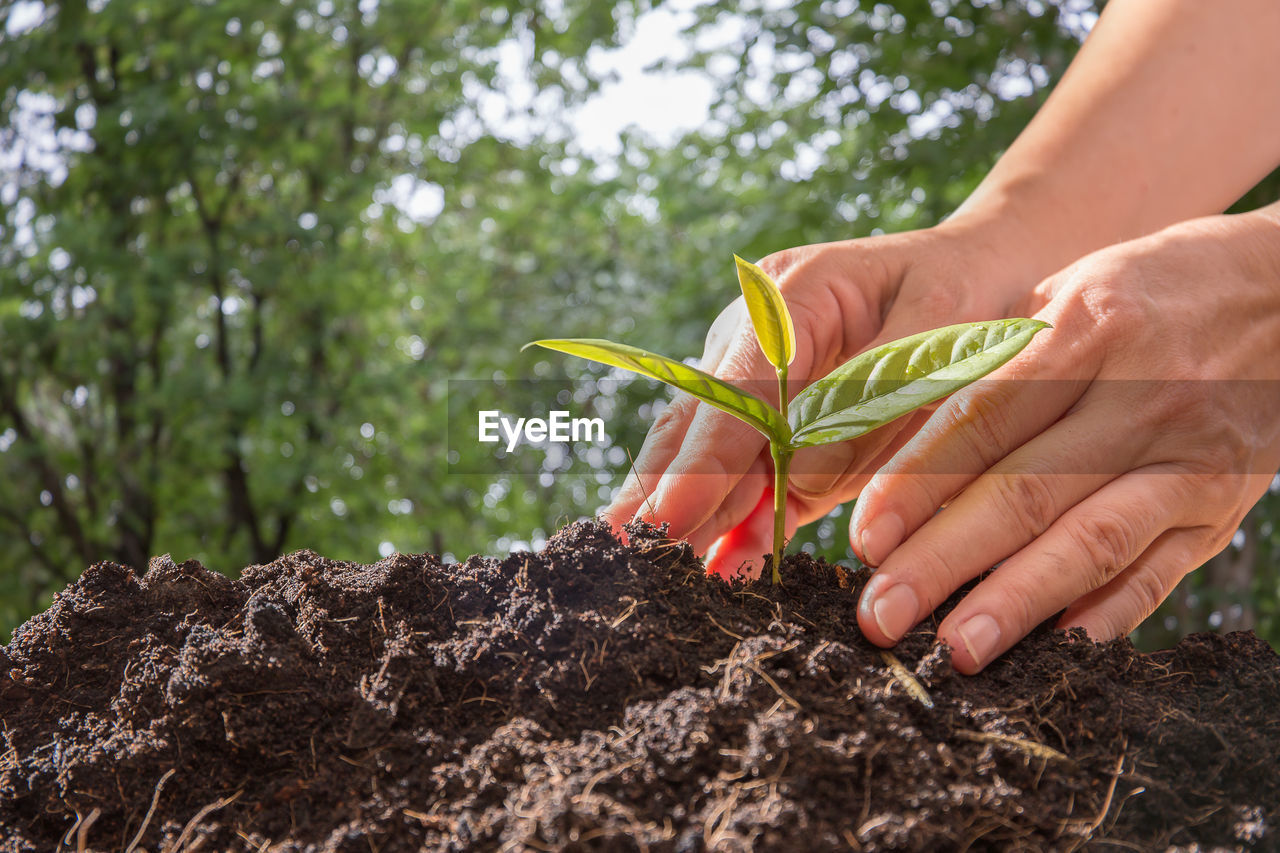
(1117, 453)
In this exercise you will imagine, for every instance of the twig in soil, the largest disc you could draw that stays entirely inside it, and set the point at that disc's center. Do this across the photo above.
(725, 630)
(725, 663)
(71, 830)
(908, 681)
(866, 782)
(1032, 748)
(607, 772)
(1115, 817)
(773, 779)
(782, 694)
(146, 821)
(587, 677)
(82, 835)
(728, 664)
(746, 593)
(718, 821)
(763, 656)
(1092, 827)
(626, 614)
(436, 821)
(190, 828)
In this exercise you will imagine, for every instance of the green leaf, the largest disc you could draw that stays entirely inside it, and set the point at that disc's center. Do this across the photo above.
(876, 387)
(700, 384)
(769, 315)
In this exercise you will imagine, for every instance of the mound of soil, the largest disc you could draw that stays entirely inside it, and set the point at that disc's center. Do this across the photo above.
(598, 696)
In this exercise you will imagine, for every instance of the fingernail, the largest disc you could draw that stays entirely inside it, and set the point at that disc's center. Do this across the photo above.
(981, 637)
(880, 537)
(812, 472)
(895, 610)
(817, 485)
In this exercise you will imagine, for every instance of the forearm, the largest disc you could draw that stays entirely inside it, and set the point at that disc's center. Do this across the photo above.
(1170, 111)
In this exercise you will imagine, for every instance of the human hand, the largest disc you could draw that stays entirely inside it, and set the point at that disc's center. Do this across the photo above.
(707, 474)
(1117, 453)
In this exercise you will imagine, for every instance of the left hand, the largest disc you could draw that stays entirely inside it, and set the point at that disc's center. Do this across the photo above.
(1124, 452)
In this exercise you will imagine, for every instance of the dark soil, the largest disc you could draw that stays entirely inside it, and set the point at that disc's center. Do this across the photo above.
(602, 697)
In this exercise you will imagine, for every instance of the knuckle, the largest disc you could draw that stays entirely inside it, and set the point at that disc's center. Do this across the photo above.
(1020, 600)
(932, 574)
(674, 414)
(981, 421)
(744, 365)
(1029, 500)
(1109, 542)
(1103, 296)
(1150, 589)
(1144, 592)
(1103, 310)
(1178, 403)
(1220, 493)
(708, 464)
(738, 360)
(1214, 444)
(814, 486)
(1217, 539)
(778, 262)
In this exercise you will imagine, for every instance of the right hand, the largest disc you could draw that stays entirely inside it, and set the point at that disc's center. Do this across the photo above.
(706, 473)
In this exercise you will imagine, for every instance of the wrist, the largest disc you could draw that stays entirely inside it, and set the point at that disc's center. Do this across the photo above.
(1260, 250)
(1034, 226)
(1011, 256)
(1247, 243)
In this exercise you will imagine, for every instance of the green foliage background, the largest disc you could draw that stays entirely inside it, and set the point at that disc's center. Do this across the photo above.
(225, 332)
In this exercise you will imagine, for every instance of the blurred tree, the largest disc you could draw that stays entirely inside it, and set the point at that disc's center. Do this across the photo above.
(216, 296)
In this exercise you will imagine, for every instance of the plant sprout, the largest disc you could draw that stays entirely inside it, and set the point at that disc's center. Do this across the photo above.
(866, 392)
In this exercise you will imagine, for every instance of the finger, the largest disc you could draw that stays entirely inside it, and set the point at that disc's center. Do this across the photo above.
(1000, 514)
(660, 446)
(819, 471)
(1117, 608)
(662, 443)
(853, 469)
(1082, 551)
(743, 548)
(966, 436)
(735, 508)
(715, 455)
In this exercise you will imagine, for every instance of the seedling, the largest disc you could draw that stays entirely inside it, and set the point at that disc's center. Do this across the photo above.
(866, 392)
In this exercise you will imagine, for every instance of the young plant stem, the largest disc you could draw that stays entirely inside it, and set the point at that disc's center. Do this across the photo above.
(781, 462)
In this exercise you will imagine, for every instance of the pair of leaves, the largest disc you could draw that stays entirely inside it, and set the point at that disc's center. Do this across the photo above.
(864, 393)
